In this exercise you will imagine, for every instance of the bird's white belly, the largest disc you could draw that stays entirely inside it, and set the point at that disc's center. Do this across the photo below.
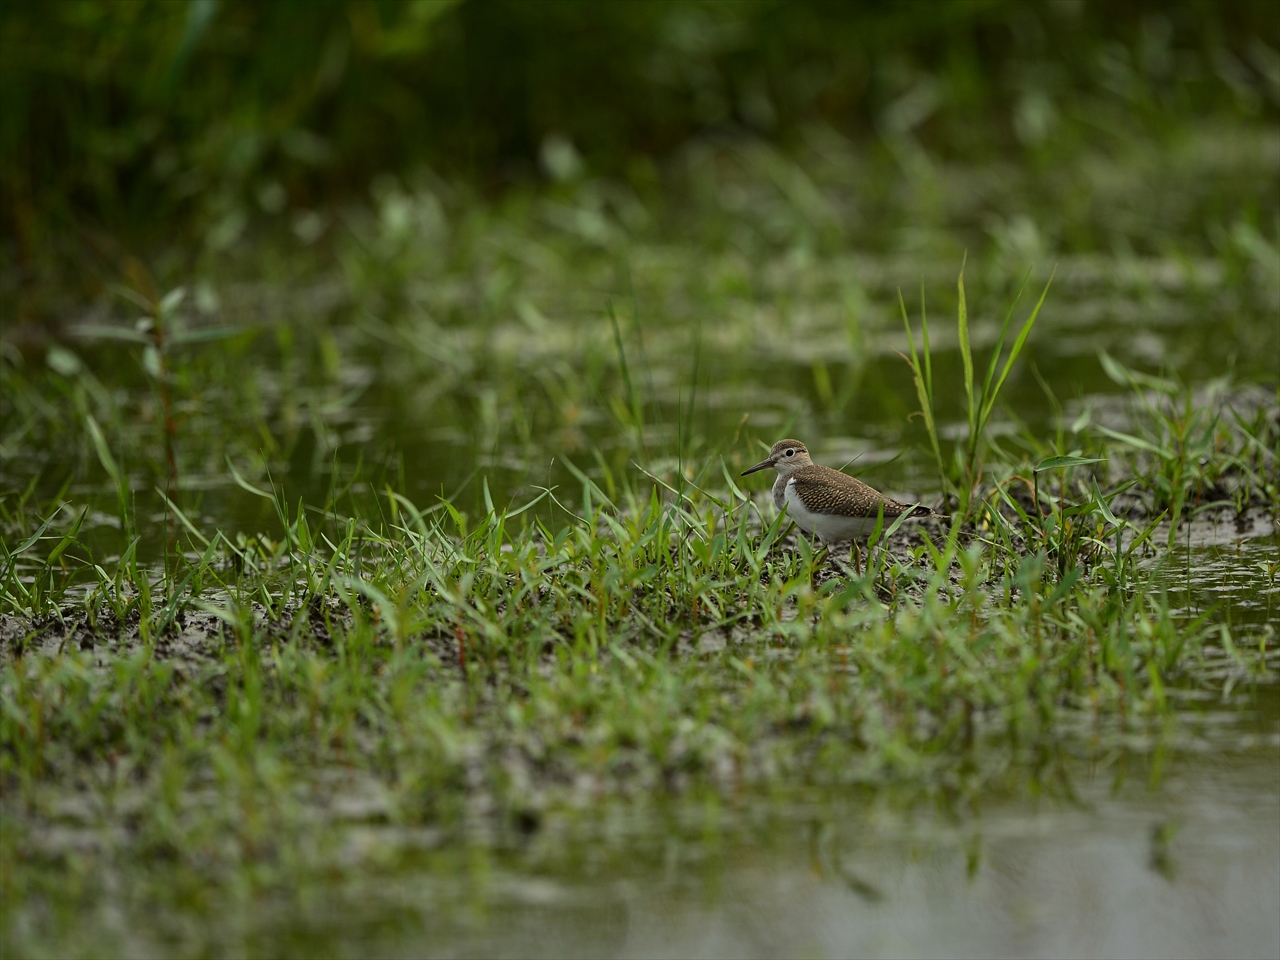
(829, 526)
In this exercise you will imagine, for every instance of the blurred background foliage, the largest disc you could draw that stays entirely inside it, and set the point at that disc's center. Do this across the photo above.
(133, 124)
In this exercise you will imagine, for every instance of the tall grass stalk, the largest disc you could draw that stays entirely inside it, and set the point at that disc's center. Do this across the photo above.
(922, 375)
(966, 473)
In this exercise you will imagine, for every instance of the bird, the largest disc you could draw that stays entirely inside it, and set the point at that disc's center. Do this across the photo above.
(827, 503)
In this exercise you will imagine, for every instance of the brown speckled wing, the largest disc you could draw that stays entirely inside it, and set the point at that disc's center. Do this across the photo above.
(824, 490)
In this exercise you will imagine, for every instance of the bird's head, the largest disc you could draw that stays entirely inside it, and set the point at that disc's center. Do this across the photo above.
(787, 456)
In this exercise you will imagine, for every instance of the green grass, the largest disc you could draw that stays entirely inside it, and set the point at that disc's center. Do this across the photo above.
(965, 474)
(485, 671)
(645, 638)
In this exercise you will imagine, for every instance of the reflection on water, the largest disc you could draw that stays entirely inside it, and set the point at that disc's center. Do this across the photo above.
(1237, 578)
(1190, 867)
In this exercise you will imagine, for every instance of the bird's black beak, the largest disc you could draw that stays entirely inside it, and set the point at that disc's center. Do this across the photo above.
(767, 462)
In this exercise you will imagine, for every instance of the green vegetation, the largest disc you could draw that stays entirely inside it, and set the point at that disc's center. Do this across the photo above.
(614, 636)
(162, 131)
(230, 615)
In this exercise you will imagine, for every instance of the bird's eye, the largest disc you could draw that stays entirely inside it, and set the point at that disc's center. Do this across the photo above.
(790, 452)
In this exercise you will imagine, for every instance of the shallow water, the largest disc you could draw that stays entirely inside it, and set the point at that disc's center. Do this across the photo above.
(1122, 866)
(1045, 880)
(1236, 582)
(394, 419)
(438, 356)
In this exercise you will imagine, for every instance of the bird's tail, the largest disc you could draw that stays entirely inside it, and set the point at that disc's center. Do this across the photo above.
(922, 511)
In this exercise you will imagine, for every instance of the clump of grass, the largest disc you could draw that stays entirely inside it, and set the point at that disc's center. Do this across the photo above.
(624, 593)
(1186, 449)
(965, 472)
(475, 673)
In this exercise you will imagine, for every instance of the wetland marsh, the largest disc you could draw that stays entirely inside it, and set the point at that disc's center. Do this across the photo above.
(377, 577)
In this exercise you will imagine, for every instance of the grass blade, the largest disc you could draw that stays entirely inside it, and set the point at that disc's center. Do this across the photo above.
(990, 401)
(922, 378)
(966, 355)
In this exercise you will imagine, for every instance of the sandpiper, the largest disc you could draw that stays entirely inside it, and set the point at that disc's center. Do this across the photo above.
(828, 503)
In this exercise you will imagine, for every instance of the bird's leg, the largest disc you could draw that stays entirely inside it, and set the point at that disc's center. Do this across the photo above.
(855, 556)
(813, 546)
